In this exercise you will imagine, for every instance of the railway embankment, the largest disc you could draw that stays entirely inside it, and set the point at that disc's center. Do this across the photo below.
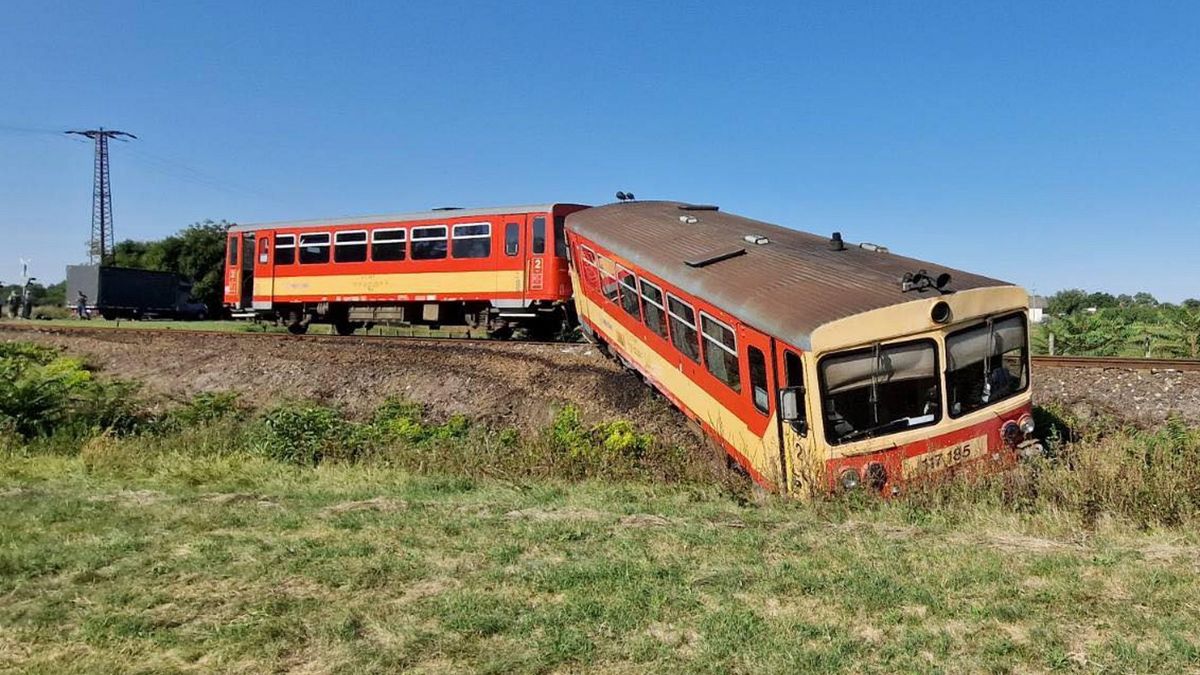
(510, 383)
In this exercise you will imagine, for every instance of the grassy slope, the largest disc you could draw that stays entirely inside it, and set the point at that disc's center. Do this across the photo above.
(243, 563)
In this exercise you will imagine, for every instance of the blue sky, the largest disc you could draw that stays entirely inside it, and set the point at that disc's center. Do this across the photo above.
(1050, 144)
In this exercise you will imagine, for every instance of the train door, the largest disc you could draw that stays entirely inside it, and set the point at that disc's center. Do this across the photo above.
(233, 269)
(759, 380)
(535, 261)
(246, 298)
(798, 442)
(264, 273)
(516, 247)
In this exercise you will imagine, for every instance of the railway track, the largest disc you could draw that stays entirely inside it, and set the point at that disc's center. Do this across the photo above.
(1041, 360)
(1117, 362)
(34, 327)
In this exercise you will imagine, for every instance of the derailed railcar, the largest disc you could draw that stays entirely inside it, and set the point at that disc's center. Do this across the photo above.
(489, 269)
(815, 364)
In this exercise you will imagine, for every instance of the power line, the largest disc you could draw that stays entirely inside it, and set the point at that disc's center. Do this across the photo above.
(101, 244)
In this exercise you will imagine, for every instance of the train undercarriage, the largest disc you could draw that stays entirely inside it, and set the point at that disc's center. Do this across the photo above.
(539, 320)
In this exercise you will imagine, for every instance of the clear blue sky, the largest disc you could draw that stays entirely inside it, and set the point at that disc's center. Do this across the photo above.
(1053, 144)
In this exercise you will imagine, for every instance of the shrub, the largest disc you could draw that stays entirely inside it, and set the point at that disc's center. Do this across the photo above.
(306, 433)
(43, 393)
(204, 408)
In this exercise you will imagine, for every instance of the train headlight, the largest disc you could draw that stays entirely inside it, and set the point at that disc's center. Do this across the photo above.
(876, 476)
(1027, 425)
(1011, 433)
(850, 479)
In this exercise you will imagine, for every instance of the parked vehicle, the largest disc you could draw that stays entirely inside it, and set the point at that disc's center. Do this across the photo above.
(127, 293)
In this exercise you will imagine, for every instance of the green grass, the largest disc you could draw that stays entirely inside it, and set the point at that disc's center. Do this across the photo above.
(199, 559)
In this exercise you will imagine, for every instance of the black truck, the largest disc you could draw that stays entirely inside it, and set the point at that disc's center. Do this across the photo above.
(127, 293)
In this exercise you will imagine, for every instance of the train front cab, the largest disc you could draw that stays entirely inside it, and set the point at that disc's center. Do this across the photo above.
(774, 407)
(924, 389)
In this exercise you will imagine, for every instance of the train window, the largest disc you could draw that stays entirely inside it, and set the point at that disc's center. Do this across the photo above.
(472, 241)
(512, 239)
(880, 390)
(314, 248)
(608, 283)
(560, 237)
(233, 250)
(652, 308)
(285, 249)
(986, 363)
(264, 248)
(629, 294)
(350, 247)
(539, 235)
(758, 379)
(683, 328)
(793, 369)
(720, 351)
(388, 245)
(591, 278)
(429, 243)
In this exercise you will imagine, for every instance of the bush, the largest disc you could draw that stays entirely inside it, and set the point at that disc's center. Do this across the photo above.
(51, 312)
(43, 393)
(1148, 477)
(306, 433)
(204, 408)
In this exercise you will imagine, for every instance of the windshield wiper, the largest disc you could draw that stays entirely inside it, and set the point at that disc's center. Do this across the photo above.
(877, 429)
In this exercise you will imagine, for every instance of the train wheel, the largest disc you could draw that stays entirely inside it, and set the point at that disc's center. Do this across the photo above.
(345, 327)
(297, 328)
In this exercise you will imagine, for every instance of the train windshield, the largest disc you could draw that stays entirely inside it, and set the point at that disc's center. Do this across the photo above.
(986, 363)
(880, 390)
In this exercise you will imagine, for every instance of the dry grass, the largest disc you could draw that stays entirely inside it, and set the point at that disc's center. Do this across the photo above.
(157, 557)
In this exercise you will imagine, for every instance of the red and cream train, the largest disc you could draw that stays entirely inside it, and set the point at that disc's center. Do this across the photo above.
(814, 363)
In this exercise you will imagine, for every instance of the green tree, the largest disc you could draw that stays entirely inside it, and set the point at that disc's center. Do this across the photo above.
(1067, 302)
(1177, 333)
(1086, 333)
(196, 253)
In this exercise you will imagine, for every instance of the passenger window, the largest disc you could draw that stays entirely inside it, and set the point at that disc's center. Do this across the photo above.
(539, 235)
(472, 241)
(652, 308)
(314, 248)
(350, 247)
(758, 379)
(429, 243)
(629, 294)
(233, 251)
(285, 249)
(720, 351)
(388, 245)
(560, 237)
(512, 239)
(608, 283)
(591, 278)
(683, 328)
(793, 369)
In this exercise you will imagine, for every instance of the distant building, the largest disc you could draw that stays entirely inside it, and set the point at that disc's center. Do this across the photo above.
(1037, 308)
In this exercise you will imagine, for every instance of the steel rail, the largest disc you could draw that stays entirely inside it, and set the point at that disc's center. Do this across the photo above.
(33, 327)
(1116, 362)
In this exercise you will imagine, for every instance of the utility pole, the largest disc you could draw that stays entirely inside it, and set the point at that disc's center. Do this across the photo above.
(101, 244)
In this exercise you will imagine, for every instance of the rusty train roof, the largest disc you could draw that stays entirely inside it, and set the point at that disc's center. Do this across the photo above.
(787, 287)
(433, 214)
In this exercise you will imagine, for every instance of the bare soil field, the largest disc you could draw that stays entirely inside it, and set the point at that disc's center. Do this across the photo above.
(502, 384)
(505, 384)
